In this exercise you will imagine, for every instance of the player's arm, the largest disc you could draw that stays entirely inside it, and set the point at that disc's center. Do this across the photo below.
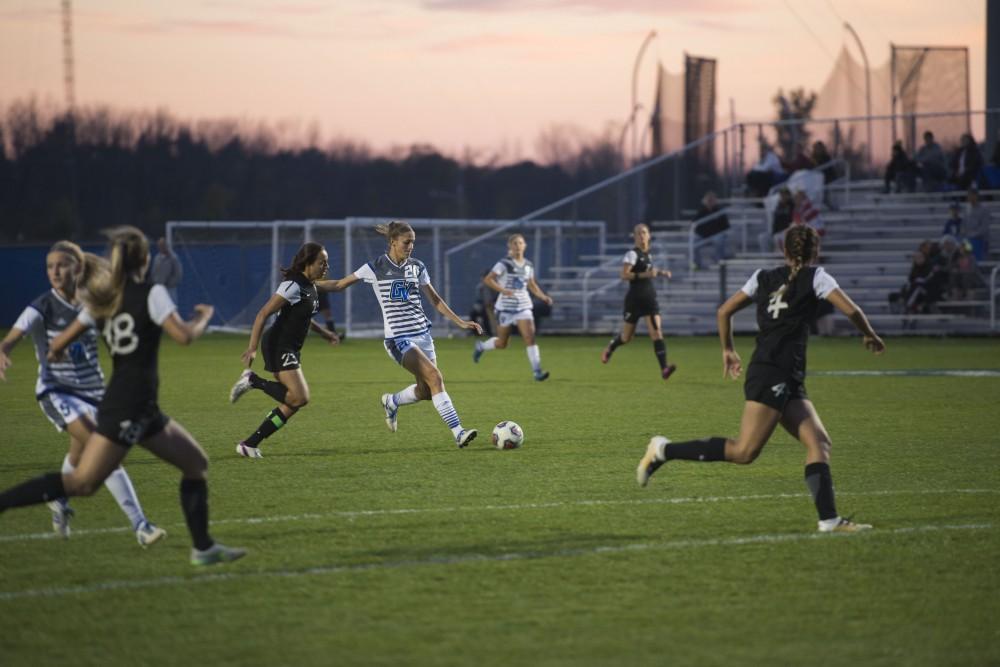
(844, 304)
(442, 307)
(59, 344)
(187, 332)
(336, 285)
(537, 291)
(13, 337)
(490, 280)
(273, 305)
(330, 336)
(732, 365)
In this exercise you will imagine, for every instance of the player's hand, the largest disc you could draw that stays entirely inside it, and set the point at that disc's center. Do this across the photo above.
(333, 338)
(468, 324)
(507, 292)
(5, 363)
(547, 299)
(732, 365)
(874, 344)
(55, 355)
(204, 311)
(666, 273)
(249, 356)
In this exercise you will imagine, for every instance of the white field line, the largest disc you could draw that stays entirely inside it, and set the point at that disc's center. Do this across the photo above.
(458, 559)
(350, 515)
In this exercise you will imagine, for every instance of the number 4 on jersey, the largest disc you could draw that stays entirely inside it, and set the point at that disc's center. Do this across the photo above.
(777, 303)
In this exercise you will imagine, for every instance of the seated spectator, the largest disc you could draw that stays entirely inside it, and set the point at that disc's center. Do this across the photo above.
(806, 213)
(772, 239)
(953, 225)
(714, 232)
(799, 160)
(966, 164)
(965, 273)
(766, 173)
(977, 227)
(931, 164)
(901, 171)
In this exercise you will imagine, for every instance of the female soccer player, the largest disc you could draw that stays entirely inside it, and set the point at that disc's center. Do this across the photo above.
(296, 301)
(69, 390)
(640, 301)
(134, 313)
(397, 279)
(513, 276)
(786, 298)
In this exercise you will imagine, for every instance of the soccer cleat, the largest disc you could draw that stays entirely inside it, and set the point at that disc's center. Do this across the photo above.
(650, 461)
(465, 437)
(477, 352)
(241, 387)
(61, 515)
(843, 526)
(147, 534)
(390, 413)
(668, 371)
(217, 553)
(606, 355)
(541, 376)
(245, 450)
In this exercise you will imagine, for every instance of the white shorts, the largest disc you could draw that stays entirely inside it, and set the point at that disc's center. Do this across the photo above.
(63, 409)
(397, 348)
(509, 318)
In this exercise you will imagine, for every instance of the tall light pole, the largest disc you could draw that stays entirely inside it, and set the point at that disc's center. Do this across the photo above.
(635, 76)
(868, 86)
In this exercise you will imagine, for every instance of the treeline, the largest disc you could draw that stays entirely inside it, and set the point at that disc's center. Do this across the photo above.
(65, 175)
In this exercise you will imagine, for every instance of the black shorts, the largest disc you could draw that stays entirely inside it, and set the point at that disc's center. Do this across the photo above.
(638, 307)
(772, 386)
(129, 424)
(278, 357)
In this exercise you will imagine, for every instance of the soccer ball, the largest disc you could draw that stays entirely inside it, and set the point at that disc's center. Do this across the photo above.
(507, 435)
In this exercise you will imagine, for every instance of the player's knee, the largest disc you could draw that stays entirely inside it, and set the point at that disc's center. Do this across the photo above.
(743, 454)
(434, 380)
(296, 400)
(75, 485)
(500, 344)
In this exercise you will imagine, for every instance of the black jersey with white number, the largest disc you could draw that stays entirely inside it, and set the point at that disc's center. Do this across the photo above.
(784, 312)
(639, 288)
(289, 330)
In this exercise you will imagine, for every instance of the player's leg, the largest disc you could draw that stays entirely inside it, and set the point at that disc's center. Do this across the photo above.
(429, 379)
(296, 397)
(655, 324)
(802, 421)
(177, 447)
(526, 327)
(756, 426)
(621, 338)
(498, 342)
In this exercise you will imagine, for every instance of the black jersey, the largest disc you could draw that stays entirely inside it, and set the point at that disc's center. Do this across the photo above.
(289, 330)
(784, 312)
(639, 288)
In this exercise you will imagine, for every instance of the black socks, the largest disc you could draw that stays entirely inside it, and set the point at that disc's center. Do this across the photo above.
(708, 449)
(194, 502)
(42, 489)
(275, 390)
(820, 483)
(660, 347)
(275, 420)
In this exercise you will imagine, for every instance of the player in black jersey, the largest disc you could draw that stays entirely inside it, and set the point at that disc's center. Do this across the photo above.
(296, 301)
(640, 301)
(134, 313)
(786, 298)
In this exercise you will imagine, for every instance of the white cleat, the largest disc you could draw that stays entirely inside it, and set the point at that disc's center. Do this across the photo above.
(465, 437)
(843, 525)
(241, 387)
(61, 515)
(147, 534)
(217, 553)
(390, 413)
(650, 461)
(249, 452)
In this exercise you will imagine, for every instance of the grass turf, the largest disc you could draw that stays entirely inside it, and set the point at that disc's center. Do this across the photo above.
(368, 547)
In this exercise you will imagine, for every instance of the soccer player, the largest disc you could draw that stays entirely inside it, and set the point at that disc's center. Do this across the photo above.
(640, 301)
(397, 280)
(69, 390)
(296, 301)
(135, 313)
(513, 277)
(786, 298)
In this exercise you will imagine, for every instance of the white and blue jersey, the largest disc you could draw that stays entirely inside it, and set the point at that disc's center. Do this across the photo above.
(79, 373)
(515, 277)
(397, 289)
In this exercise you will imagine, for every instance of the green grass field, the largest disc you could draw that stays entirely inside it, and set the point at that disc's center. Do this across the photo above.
(368, 547)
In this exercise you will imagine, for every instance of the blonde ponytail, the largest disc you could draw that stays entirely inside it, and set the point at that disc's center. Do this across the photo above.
(102, 281)
(393, 230)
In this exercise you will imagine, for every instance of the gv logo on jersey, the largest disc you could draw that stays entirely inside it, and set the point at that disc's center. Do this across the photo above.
(400, 290)
(517, 283)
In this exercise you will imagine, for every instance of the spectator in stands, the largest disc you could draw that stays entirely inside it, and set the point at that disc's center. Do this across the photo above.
(806, 213)
(953, 225)
(766, 173)
(977, 226)
(714, 231)
(901, 172)
(799, 160)
(966, 164)
(931, 164)
(821, 159)
(166, 270)
(771, 239)
(965, 273)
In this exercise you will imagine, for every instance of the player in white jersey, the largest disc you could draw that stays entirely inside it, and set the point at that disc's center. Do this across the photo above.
(397, 280)
(69, 390)
(514, 277)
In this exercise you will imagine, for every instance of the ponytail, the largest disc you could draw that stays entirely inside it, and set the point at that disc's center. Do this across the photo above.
(102, 281)
(393, 230)
(801, 248)
(305, 256)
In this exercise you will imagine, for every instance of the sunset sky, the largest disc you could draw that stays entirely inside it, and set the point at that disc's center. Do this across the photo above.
(487, 75)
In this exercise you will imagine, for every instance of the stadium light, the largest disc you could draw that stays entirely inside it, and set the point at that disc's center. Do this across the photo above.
(868, 86)
(634, 109)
